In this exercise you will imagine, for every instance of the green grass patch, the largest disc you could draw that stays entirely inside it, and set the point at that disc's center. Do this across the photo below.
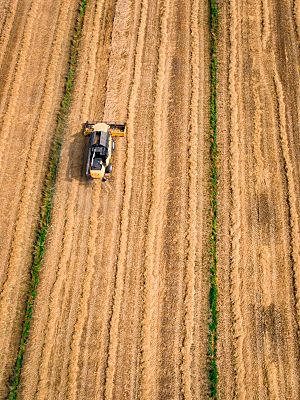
(47, 197)
(213, 293)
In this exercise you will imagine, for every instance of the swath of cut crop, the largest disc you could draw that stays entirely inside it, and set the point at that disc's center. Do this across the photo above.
(192, 206)
(236, 199)
(151, 288)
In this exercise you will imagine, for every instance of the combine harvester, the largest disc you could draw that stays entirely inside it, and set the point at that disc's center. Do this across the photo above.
(101, 147)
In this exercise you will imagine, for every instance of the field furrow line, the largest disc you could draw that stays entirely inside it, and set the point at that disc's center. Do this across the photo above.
(8, 21)
(267, 290)
(292, 191)
(124, 223)
(150, 322)
(192, 235)
(236, 201)
(296, 18)
(266, 26)
(20, 68)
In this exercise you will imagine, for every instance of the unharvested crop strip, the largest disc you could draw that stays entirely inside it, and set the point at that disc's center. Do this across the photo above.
(213, 293)
(47, 197)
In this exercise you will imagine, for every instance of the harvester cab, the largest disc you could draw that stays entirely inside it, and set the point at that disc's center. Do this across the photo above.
(101, 146)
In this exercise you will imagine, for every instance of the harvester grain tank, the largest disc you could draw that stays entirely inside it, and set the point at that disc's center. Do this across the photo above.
(101, 146)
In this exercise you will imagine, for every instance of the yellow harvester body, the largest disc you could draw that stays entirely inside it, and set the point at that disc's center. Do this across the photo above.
(101, 146)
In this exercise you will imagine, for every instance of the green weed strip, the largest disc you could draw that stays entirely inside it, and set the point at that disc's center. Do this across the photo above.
(47, 197)
(213, 293)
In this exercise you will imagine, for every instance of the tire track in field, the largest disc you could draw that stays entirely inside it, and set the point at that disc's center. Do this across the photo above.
(152, 288)
(124, 223)
(189, 318)
(236, 199)
(263, 283)
(266, 28)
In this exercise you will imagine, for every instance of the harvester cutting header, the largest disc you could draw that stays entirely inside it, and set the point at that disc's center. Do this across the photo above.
(101, 147)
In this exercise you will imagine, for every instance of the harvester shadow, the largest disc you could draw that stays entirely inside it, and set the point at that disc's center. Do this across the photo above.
(77, 158)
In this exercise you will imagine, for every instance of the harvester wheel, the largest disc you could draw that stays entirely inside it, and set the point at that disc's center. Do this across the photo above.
(108, 169)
